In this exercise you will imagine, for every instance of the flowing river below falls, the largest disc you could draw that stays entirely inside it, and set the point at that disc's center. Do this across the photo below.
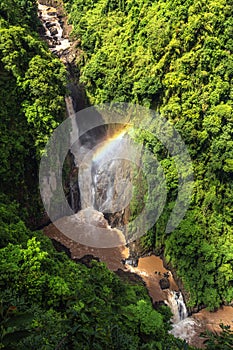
(188, 328)
(150, 268)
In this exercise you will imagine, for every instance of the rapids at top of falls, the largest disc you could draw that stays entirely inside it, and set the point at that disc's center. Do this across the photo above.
(183, 327)
(53, 29)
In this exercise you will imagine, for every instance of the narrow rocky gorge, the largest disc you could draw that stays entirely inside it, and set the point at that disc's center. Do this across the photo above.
(89, 198)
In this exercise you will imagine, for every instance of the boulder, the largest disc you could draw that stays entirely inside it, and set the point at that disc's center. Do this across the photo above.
(130, 261)
(61, 248)
(51, 43)
(164, 283)
(49, 24)
(53, 30)
(87, 260)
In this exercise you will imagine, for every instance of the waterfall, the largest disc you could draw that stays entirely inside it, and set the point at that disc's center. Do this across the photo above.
(52, 28)
(183, 327)
(111, 190)
(74, 133)
(91, 176)
(100, 158)
(177, 305)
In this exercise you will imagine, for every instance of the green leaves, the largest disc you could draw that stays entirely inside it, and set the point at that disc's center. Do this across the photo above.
(14, 326)
(174, 57)
(33, 86)
(62, 304)
(222, 341)
(40, 81)
(19, 12)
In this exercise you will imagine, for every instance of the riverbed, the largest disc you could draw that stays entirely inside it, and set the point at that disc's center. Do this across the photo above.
(150, 268)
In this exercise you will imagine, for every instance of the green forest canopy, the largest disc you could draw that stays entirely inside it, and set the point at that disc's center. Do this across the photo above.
(176, 58)
(171, 56)
(48, 301)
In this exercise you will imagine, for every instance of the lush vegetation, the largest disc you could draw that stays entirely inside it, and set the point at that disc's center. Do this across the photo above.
(221, 340)
(51, 302)
(176, 58)
(33, 84)
(48, 301)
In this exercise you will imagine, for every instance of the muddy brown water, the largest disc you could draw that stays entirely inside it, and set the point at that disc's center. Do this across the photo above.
(212, 320)
(111, 256)
(147, 266)
(151, 269)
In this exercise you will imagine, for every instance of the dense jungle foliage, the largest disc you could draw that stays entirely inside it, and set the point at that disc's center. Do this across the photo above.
(176, 58)
(51, 302)
(48, 301)
(33, 84)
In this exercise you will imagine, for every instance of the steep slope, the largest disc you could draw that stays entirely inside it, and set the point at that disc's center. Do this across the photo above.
(176, 58)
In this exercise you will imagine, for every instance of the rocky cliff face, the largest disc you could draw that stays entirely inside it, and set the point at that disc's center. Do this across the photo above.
(100, 182)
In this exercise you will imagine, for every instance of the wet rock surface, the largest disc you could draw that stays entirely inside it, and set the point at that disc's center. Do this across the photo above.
(149, 272)
(111, 256)
(87, 260)
(61, 247)
(130, 261)
(55, 31)
(164, 283)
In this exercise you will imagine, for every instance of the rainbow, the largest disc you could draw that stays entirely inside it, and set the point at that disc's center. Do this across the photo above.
(107, 146)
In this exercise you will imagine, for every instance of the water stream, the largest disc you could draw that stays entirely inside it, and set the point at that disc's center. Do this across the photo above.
(53, 29)
(97, 197)
(177, 306)
(100, 177)
(184, 327)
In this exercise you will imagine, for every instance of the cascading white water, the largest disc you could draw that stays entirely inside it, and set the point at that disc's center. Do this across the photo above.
(185, 329)
(111, 175)
(74, 133)
(53, 28)
(103, 182)
(177, 305)
(183, 326)
(89, 223)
